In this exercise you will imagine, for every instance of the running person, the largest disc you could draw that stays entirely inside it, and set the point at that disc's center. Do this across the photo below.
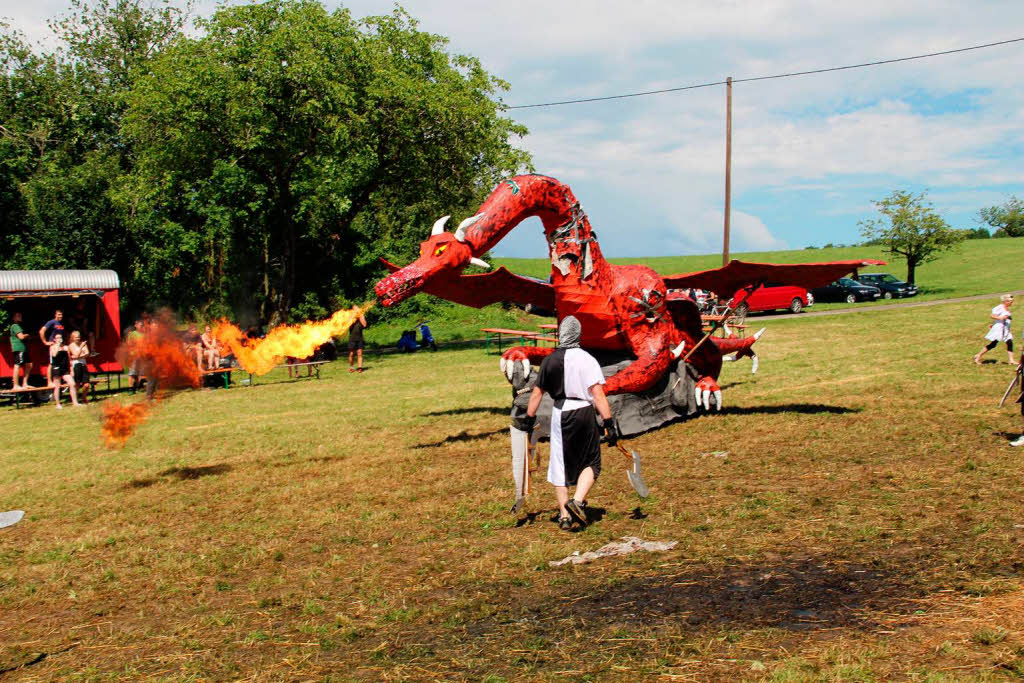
(574, 380)
(356, 343)
(1000, 330)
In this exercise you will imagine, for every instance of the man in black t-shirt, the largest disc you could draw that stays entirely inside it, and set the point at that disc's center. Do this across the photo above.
(355, 342)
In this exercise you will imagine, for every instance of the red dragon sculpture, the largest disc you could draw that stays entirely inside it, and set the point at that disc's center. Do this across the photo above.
(621, 308)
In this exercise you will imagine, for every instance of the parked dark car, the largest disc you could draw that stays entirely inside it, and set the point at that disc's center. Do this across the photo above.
(845, 289)
(890, 285)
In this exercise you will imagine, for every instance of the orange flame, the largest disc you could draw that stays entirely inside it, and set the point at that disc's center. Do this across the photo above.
(259, 356)
(159, 355)
(120, 421)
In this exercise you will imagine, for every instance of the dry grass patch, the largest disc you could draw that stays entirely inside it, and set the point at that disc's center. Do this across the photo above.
(864, 522)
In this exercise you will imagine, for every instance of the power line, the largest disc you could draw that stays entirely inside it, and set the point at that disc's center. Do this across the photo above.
(765, 78)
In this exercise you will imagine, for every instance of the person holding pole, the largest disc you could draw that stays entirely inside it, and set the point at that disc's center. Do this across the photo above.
(575, 382)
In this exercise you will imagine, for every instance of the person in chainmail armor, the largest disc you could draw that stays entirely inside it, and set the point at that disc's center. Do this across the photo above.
(573, 379)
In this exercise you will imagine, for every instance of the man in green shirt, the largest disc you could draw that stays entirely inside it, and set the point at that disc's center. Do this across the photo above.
(21, 359)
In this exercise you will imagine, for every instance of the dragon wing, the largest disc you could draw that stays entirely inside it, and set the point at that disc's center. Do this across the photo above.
(739, 274)
(496, 286)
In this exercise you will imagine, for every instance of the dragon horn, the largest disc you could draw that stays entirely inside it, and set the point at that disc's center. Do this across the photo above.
(480, 262)
(439, 225)
(460, 232)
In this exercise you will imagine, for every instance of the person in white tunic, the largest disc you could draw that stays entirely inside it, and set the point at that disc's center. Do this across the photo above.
(1000, 331)
(575, 382)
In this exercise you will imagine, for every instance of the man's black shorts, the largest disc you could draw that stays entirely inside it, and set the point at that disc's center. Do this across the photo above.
(354, 344)
(81, 373)
(21, 358)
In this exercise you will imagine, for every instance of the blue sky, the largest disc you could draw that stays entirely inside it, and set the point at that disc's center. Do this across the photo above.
(810, 153)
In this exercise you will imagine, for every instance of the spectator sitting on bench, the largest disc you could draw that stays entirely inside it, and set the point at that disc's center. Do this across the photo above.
(60, 370)
(193, 345)
(79, 352)
(426, 337)
(21, 358)
(407, 342)
(211, 349)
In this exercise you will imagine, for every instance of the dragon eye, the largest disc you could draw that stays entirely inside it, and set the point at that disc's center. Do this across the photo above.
(440, 250)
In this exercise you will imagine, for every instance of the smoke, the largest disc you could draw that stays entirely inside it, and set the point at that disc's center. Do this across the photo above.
(158, 355)
(259, 356)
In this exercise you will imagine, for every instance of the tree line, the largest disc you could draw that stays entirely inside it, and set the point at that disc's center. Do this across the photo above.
(909, 228)
(257, 166)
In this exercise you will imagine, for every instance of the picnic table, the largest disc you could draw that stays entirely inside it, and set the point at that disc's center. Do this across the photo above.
(708, 322)
(315, 365)
(523, 335)
(225, 374)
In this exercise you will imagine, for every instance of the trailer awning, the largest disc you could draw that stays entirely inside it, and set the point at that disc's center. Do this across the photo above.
(22, 283)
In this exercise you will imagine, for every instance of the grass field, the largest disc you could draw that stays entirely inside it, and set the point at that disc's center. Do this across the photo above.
(865, 523)
(976, 267)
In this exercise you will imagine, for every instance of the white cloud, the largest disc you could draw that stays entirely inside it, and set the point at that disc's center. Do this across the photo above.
(650, 170)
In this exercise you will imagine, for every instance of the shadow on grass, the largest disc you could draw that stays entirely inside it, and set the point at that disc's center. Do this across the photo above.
(489, 410)
(802, 408)
(462, 436)
(180, 473)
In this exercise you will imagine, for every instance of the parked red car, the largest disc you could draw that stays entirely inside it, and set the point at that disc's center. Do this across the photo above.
(772, 296)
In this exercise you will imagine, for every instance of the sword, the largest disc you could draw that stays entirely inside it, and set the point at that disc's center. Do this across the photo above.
(635, 476)
(1013, 383)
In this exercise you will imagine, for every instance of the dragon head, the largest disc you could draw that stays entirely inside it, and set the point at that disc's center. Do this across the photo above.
(442, 256)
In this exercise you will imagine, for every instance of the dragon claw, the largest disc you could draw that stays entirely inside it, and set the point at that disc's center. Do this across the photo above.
(705, 389)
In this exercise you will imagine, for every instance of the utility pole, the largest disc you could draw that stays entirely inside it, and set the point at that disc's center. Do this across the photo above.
(728, 168)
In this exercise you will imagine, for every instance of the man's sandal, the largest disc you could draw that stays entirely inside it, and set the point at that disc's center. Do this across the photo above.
(576, 512)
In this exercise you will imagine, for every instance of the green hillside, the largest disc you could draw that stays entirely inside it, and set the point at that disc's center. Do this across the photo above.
(976, 267)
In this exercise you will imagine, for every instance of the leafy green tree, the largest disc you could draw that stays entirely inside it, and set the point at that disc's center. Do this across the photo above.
(1007, 219)
(910, 228)
(286, 149)
(61, 149)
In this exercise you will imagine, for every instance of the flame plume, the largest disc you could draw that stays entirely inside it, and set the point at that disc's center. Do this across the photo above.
(121, 421)
(259, 356)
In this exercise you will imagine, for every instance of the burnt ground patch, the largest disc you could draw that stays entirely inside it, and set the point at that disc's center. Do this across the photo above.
(801, 408)
(796, 594)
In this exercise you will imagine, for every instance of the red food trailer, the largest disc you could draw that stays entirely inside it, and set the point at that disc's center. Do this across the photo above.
(91, 295)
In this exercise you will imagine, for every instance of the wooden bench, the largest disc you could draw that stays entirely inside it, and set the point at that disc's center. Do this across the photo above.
(16, 394)
(544, 338)
(225, 373)
(315, 365)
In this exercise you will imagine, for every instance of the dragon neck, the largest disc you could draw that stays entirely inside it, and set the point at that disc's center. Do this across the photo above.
(526, 196)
